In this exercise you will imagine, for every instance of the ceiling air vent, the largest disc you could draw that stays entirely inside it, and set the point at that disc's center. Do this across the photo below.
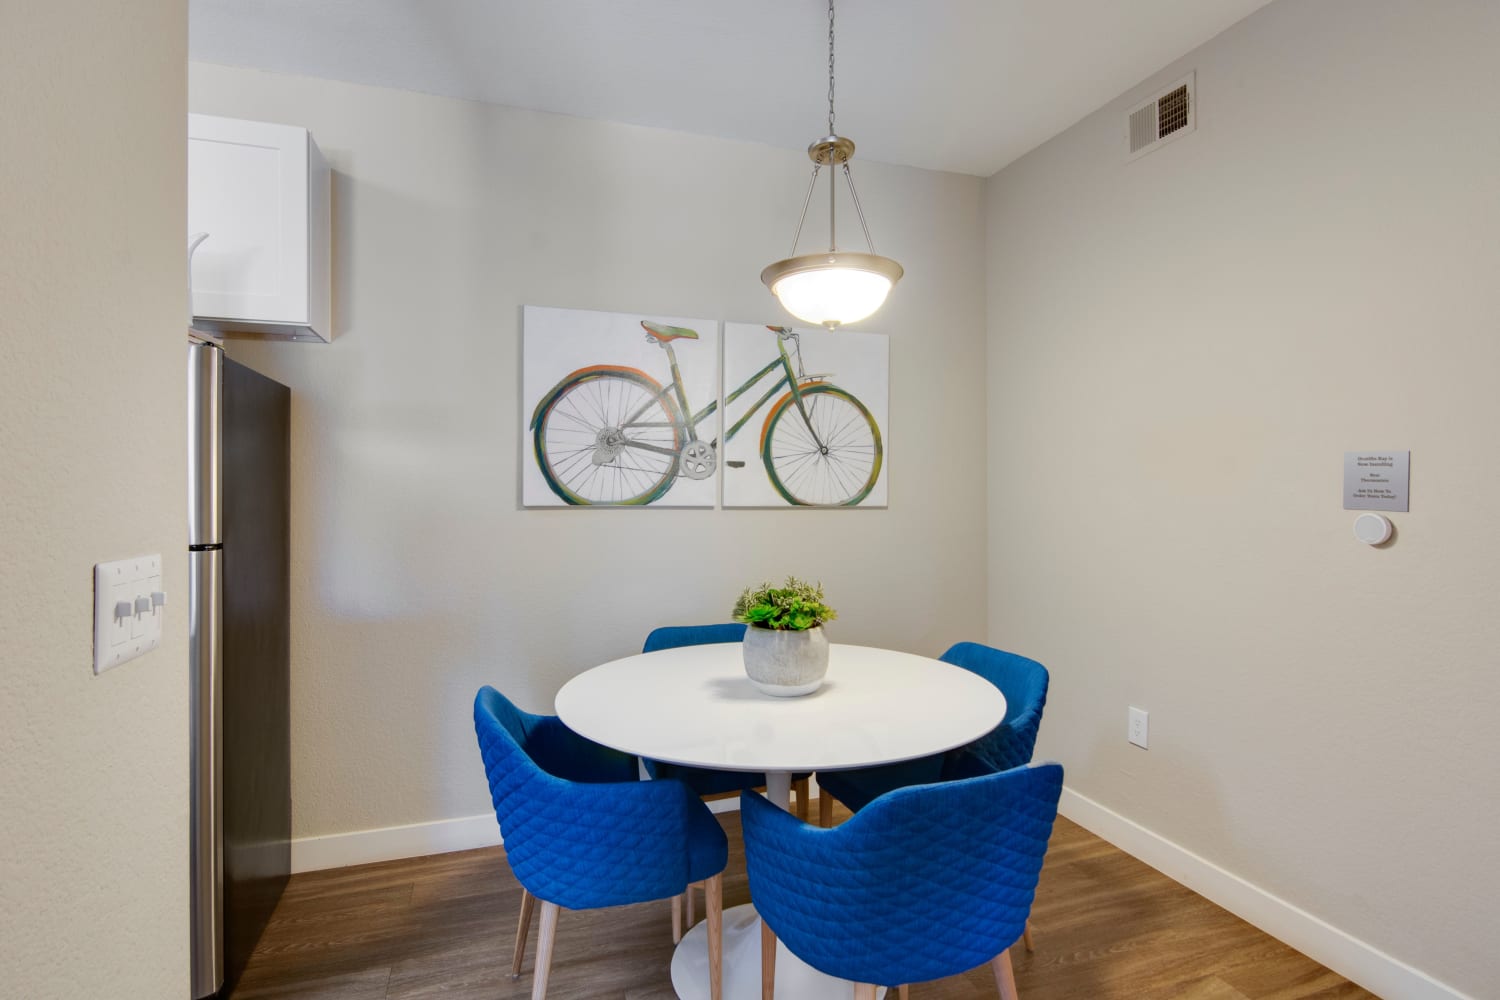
(1166, 116)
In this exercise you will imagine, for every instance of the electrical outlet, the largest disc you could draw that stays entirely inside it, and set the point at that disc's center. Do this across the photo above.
(1139, 731)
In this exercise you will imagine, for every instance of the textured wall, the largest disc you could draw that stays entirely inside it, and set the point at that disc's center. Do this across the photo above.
(93, 791)
(416, 577)
(1181, 349)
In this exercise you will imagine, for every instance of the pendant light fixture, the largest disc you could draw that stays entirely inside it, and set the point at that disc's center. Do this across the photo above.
(837, 286)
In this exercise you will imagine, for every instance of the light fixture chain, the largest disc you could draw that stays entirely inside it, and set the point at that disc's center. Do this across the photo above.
(830, 68)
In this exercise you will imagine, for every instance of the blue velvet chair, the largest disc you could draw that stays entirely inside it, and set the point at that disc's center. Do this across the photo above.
(926, 882)
(582, 832)
(707, 782)
(1024, 684)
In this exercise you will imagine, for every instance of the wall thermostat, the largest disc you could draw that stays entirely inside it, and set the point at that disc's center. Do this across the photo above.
(1372, 529)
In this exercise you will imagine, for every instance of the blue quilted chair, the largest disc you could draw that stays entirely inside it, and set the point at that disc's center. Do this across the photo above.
(582, 832)
(1024, 684)
(925, 882)
(706, 781)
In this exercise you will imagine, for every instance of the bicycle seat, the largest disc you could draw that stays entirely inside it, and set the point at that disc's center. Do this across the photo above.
(664, 333)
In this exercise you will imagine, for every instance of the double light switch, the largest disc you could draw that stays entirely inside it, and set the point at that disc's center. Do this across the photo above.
(129, 605)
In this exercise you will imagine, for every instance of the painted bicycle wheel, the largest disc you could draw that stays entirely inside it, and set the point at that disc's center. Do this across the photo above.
(608, 436)
(839, 471)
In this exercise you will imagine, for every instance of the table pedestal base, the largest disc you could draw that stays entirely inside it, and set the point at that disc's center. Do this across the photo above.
(795, 979)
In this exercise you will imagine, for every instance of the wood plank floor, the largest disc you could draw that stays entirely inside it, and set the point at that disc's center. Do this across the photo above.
(1107, 926)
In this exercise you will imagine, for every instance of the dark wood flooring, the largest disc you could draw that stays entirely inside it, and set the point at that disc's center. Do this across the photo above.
(1107, 928)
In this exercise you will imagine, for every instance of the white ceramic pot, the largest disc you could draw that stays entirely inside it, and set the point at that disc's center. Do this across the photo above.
(784, 663)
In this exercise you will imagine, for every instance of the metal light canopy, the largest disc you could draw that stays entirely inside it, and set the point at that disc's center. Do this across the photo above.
(836, 286)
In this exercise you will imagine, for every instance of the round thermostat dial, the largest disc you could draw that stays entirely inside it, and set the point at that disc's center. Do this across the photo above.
(1372, 529)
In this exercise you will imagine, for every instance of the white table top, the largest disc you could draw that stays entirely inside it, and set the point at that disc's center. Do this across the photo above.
(694, 705)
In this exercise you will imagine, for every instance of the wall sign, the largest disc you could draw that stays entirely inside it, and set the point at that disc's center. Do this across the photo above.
(1376, 480)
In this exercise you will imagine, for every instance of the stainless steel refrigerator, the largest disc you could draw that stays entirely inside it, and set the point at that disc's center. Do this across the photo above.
(239, 610)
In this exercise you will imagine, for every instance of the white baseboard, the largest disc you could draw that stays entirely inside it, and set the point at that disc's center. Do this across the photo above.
(1350, 957)
(361, 847)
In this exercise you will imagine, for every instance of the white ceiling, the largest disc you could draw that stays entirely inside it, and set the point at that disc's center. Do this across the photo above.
(960, 85)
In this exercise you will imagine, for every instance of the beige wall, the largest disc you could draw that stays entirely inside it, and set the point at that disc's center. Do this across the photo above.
(93, 791)
(1181, 349)
(417, 579)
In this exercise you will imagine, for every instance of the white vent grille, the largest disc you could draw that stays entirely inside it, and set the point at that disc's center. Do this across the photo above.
(1166, 116)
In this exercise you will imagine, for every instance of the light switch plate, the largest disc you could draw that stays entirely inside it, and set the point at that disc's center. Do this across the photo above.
(120, 638)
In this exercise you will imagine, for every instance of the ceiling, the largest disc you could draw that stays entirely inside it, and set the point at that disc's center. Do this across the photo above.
(959, 85)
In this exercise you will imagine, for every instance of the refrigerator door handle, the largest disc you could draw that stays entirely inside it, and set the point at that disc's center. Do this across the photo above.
(205, 378)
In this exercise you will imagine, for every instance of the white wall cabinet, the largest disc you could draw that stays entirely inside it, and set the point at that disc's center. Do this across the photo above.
(261, 193)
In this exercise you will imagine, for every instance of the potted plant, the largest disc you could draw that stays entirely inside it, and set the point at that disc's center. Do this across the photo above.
(786, 652)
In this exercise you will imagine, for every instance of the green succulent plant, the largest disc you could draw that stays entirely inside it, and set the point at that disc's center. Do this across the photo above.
(797, 606)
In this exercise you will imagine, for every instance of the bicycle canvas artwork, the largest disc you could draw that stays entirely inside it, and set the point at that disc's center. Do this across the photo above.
(625, 411)
(806, 413)
(620, 409)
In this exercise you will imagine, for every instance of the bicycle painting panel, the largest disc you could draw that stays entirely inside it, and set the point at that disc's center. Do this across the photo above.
(819, 443)
(619, 409)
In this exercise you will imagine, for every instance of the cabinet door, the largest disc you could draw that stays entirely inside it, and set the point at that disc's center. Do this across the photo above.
(248, 189)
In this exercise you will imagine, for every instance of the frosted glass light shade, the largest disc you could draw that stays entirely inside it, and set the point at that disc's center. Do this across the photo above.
(833, 288)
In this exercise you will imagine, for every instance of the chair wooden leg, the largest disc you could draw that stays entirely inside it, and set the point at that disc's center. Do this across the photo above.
(546, 937)
(865, 991)
(1005, 976)
(713, 891)
(1026, 937)
(767, 961)
(825, 809)
(677, 904)
(803, 805)
(905, 991)
(691, 916)
(527, 901)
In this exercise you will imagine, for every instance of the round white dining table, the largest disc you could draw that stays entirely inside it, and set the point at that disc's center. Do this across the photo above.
(694, 705)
